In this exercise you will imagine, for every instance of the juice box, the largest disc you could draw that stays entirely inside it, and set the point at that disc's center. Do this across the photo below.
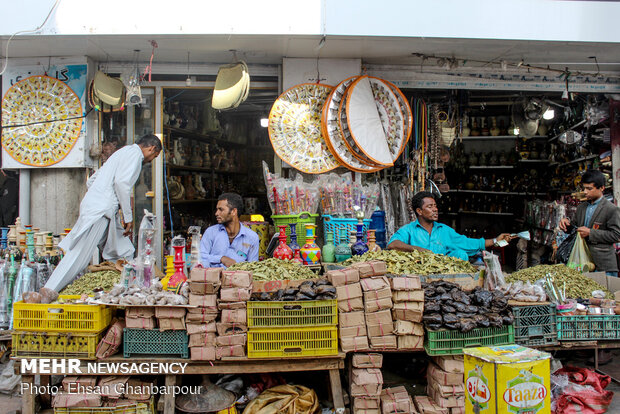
(507, 379)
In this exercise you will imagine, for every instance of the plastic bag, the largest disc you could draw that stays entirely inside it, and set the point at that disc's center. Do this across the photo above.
(494, 278)
(285, 399)
(566, 247)
(580, 258)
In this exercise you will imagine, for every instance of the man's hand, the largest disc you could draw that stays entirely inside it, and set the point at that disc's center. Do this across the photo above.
(227, 261)
(505, 236)
(128, 228)
(583, 231)
(564, 223)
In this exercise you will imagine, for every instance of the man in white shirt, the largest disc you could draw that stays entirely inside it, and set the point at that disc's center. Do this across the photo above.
(99, 222)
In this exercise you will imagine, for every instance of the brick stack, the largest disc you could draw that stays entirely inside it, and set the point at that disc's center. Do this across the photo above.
(232, 327)
(445, 381)
(408, 298)
(352, 324)
(366, 382)
(204, 286)
(396, 400)
(377, 308)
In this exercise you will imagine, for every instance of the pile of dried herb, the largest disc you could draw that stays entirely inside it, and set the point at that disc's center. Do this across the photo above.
(104, 280)
(418, 263)
(577, 285)
(275, 269)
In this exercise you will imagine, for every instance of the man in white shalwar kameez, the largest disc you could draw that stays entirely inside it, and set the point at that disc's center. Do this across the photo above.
(99, 222)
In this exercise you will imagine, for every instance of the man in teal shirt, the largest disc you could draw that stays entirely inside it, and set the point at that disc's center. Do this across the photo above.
(426, 233)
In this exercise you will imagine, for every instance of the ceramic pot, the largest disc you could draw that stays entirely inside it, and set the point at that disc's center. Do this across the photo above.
(466, 130)
(283, 252)
(343, 250)
(494, 131)
(310, 252)
(359, 248)
(293, 237)
(329, 250)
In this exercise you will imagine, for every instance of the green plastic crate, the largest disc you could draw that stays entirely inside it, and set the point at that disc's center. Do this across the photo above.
(300, 220)
(452, 342)
(535, 325)
(287, 314)
(588, 327)
(154, 342)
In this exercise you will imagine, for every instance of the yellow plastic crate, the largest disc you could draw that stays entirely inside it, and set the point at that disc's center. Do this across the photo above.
(61, 317)
(292, 342)
(54, 344)
(137, 407)
(286, 314)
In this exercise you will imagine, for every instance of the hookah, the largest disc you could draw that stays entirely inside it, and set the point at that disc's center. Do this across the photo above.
(194, 257)
(359, 248)
(179, 276)
(30, 245)
(12, 274)
(145, 262)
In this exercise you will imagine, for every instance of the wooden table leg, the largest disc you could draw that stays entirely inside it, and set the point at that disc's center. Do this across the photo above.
(46, 398)
(596, 358)
(171, 381)
(334, 379)
(28, 397)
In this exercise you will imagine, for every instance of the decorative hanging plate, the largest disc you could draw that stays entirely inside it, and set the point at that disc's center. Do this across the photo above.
(41, 119)
(392, 118)
(364, 123)
(333, 133)
(295, 128)
(406, 110)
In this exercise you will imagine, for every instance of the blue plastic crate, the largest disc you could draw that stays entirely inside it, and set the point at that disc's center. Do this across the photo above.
(335, 224)
(154, 342)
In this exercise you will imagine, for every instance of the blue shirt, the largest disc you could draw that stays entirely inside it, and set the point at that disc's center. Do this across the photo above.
(215, 244)
(441, 240)
(590, 211)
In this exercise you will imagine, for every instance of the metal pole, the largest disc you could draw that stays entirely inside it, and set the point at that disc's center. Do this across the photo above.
(24, 196)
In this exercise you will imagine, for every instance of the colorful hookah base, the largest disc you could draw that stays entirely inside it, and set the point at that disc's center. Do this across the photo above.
(311, 254)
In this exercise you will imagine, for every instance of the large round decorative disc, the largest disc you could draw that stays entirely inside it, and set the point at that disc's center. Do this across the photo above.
(392, 118)
(332, 132)
(406, 111)
(42, 119)
(295, 128)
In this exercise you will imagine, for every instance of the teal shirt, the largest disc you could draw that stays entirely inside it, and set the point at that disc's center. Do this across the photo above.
(442, 240)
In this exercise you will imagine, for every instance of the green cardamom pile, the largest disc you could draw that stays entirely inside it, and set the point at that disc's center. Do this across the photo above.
(416, 262)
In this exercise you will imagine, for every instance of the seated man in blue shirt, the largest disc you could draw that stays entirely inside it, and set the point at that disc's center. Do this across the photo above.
(426, 233)
(229, 241)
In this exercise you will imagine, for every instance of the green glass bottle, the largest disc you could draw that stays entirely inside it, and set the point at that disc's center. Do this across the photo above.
(329, 250)
(343, 250)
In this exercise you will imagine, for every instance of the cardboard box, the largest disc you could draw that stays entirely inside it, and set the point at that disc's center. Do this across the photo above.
(169, 312)
(232, 305)
(343, 277)
(348, 319)
(231, 328)
(236, 279)
(71, 383)
(354, 290)
(457, 410)
(368, 390)
(408, 296)
(366, 403)
(141, 323)
(442, 377)
(408, 328)
(138, 390)
(451, 363)
(382, 317)
(274, 285)
(415, 306)
(611, 283)
(366, 410)
(202, 339)
(410, 342)
(203, 288)
(445, 391)
(358, 343)
(407, 315)
(370, 268)
(396, 400)
(230, 351)
(375, 283)
(203, 353)
(200, 328)
(235, 294)
(230, 340)
(427, 406)
(66, 400)
(201, 274)
(382, 293)
(405, 282)
(351, 305)
(232, 316)
(374, 305)
(202, 317)
(171, 324)
(380, 330)
(111, 386)
(367, 360)
(366, 376)
(353, 331)
(467, 281)
(383, 342)
(204, 301)
(445, 402)
(503, 377)
(140, 312)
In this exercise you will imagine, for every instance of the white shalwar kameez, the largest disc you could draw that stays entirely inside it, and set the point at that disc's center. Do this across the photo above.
(108, 188)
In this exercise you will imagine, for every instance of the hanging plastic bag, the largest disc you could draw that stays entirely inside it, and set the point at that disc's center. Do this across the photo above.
(580, 258)
(566, 246)
(493, 277)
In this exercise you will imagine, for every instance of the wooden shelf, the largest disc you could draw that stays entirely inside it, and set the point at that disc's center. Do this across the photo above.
(534, 161)
(197, 201)
(589, 157)
(508, 193)
(499, 137)
(491, 167)
(202, 137)
(202, 169)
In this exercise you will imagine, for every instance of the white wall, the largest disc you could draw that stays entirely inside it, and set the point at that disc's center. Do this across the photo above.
(554, 20)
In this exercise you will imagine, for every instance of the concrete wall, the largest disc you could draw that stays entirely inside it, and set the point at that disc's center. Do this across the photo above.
(55, 196)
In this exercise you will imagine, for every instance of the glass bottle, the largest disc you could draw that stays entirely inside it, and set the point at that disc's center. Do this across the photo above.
(359, 248)
(293, 237)
(343, 250)
(329, 249)
(283, 251)
(310, 253)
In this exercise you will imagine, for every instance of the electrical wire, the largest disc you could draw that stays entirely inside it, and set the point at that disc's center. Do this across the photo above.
(6, 54)
(47, 121)
(167, 194)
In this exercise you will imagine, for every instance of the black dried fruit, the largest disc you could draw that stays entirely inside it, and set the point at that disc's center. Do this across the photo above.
(483, 297)
(467, 325)
(450, 318)
(320, 290)
(448, 309)
(432, 307)
(433, 318)
(323, 282)
(434, 327)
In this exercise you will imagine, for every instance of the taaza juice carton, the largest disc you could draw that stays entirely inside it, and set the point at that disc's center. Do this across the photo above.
(507, 379)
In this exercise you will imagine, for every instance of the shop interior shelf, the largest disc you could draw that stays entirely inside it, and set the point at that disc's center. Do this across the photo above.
(493, 167)
(184, 133)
